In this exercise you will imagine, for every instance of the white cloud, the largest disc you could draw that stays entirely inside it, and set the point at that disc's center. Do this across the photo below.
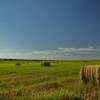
(90, 48)
(45, 52)
(60, 53)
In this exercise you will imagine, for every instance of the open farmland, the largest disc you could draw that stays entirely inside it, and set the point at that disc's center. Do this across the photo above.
(31, 81)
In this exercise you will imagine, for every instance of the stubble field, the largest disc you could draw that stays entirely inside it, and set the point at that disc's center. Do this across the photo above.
(31, 81)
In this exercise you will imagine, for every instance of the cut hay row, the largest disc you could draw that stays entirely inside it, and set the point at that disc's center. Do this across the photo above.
(90, 73)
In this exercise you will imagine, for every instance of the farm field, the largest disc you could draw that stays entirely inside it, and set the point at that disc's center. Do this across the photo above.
(31, 81)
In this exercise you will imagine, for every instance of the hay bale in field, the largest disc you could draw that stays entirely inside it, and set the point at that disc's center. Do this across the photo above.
(90, 73)
(18, 64)
(82, 74)
(45, 64)
(98, 75)
(94, 75)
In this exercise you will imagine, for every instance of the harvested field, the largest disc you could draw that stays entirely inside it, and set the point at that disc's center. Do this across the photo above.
(31, 81)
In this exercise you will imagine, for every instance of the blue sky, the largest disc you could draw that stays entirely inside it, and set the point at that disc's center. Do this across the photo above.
(50, 29)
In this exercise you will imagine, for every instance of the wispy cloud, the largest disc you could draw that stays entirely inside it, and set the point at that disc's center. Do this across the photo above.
(59, 53)
(88, 49)
(36, 52)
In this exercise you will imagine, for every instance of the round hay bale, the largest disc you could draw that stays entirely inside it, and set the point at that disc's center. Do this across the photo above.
(98, 75)
(45, 64)
(82, 74)
(18, 64)
(94, 76)
(90, 73)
